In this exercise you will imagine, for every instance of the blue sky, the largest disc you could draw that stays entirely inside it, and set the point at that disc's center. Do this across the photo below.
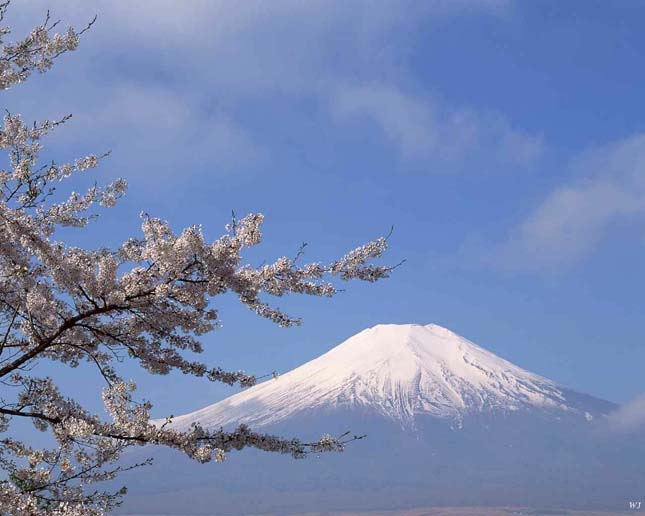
(504, 141)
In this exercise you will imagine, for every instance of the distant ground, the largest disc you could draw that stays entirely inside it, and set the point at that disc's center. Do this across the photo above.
(477, 511)
(459, 511)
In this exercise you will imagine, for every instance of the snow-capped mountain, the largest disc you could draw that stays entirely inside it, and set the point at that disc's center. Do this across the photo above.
(447, 423)
(398, 371)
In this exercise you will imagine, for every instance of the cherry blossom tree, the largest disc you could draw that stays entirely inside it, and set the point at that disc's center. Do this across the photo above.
(149, 300)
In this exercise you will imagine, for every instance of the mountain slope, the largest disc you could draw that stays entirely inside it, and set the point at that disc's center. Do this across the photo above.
(447, 423)
(400, 372)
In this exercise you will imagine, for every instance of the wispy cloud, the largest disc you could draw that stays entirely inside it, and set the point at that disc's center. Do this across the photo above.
(158, 64)
(421, 129)
(609, 187)
(627, 418)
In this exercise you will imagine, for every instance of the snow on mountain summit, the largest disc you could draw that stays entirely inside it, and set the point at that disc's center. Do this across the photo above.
(397, 371)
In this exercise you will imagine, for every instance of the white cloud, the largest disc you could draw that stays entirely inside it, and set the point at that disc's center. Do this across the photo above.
(627, 418)
(254, 47)
(141, 54)
(421, 129)
(609, 187)
(213, 20)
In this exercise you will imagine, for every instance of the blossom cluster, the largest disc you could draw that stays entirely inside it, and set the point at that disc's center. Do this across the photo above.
(36, 52)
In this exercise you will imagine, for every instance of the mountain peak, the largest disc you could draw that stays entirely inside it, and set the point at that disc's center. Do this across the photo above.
(399, 371)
